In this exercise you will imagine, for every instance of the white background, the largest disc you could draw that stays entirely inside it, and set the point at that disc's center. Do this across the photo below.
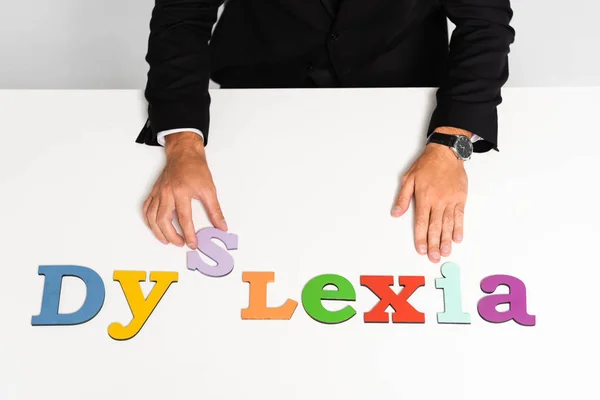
(315, 200)
(79, 44)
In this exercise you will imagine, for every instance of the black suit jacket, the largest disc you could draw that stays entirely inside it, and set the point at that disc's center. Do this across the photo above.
(329, 43)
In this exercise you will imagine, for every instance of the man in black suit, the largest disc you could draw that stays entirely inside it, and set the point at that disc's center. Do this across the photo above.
(327, 43)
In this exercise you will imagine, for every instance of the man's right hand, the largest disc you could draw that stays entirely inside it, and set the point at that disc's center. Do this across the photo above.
(185, 177)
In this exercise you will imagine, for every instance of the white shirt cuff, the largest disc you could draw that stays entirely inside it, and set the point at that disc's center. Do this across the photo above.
(160, 137)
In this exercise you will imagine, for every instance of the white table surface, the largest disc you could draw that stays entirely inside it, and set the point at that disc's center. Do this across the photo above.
(306, 178)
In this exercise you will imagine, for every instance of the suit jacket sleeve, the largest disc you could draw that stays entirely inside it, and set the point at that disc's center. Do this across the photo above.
(477, 68)
(179, 73)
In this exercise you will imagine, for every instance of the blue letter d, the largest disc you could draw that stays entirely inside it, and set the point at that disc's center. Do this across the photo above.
(94, 299)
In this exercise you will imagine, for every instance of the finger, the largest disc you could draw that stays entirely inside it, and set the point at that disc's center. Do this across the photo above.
(423, 210)
(145, 207)
(434, 233)
(459, 217)
(404, 197)
(164, 219)
(151, 218)
(213, 209)
(447, 229)
(183, 205)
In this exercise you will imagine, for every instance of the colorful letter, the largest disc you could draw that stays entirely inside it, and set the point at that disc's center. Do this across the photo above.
(516, 298)
(223, 259)
(450, 284)
(141, 307)
(314, 292)
(403, 311)
(257, 306)
(94, 298)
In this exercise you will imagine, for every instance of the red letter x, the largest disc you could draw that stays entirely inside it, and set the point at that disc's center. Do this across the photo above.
(403, 311)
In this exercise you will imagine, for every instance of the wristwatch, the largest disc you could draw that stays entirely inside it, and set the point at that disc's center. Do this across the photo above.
(460, 144)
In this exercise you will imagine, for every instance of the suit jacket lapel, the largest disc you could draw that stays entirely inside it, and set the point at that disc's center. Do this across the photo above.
(329, 7)
(314, 12)
(353, 12)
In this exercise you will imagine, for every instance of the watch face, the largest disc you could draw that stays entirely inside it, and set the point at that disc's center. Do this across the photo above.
(464, 147)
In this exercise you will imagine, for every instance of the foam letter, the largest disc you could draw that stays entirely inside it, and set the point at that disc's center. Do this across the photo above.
(94, 298)
(450, 284)
(516, 298)
(403, 311)
(140, 307)
(314, 292)
(223, 259)
(257, 306)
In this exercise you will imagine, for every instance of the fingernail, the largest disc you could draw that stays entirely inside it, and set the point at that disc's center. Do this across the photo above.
(224, 224)
(435, 255)
(459, 238)
(422, 249)
(396, 211)
(445, 250)
(164, 242)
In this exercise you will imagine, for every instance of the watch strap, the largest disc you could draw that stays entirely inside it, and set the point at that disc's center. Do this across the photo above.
(440, 138)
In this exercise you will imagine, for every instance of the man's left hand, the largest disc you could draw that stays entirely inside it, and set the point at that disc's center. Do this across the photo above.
(439, 183)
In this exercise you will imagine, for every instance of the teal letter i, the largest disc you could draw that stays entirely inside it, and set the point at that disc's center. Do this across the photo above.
(450, 284)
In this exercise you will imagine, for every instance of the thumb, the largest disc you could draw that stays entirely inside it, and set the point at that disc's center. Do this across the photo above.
(404, 197)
